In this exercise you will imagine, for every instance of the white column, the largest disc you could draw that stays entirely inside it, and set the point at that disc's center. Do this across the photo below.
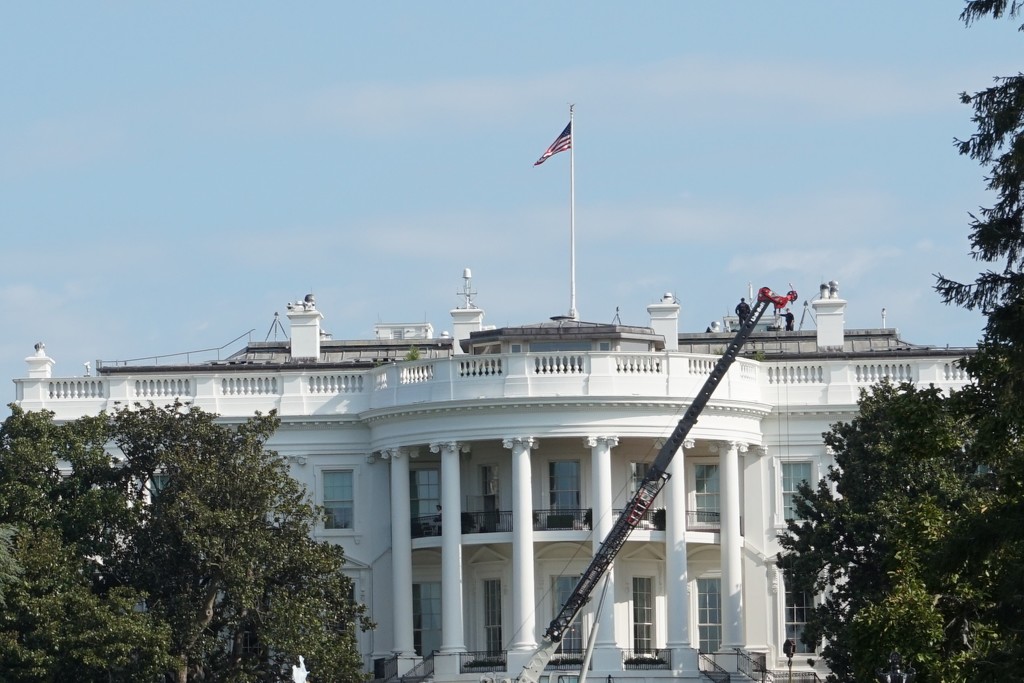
(401, 551)
(524, 618)
(677, 579)
(452, 630)
(605, 652)
(732, 545)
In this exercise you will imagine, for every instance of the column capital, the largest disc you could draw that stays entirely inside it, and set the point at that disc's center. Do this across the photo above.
(457, 446)
(594, 441)
(395, 453)
(689, 443)
(527, 442)
(723, 447)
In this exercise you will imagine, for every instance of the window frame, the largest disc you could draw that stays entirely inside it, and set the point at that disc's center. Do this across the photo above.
(325, 502)
(786, 495)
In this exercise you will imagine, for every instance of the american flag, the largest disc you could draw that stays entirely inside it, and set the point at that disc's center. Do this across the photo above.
(561, 143)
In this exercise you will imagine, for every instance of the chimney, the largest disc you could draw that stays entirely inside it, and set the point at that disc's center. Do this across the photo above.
(665, 320)
(464, 321)
(467, 318)
(39, 364)
(829, 311)
(305, 327)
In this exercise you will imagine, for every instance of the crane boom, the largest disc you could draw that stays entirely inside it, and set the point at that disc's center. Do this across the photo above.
(655, 479)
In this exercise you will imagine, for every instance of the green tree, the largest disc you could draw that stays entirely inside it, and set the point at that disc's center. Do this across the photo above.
(865, 537)
(185, 555)
(56, 625)
(989, 544)
(224, 552)
(10, 570)
(922, 550)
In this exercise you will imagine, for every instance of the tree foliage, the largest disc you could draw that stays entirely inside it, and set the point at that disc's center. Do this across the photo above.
(159, 544)
(865, 537)
(915, 540)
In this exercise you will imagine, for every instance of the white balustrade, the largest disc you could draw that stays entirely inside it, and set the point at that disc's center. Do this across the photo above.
(513, 376)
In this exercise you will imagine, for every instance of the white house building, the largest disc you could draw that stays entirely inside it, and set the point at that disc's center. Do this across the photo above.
(470, 476)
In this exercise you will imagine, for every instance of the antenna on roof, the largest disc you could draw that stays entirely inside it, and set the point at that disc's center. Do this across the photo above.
(275, 326)
(616, 320)
(467, 287)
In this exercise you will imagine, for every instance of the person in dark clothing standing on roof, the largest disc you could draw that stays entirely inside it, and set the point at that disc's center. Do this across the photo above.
(789, 318)
(743, 311)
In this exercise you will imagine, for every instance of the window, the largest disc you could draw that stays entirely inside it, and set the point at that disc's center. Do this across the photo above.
(564, 482)
(709, 614)
(643, 614)
(572, 639)
(338, 504)
(492, 616)
(637, 472)
(793, 473)
(706, 487)
(425, 492)
(798, 608)
(426, 617)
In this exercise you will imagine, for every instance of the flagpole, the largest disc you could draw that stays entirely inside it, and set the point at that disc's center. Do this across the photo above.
(572, 218)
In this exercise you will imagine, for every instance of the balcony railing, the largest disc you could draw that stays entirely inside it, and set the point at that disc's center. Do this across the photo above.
(646, 659)
(483, 661)
(703, 520)
(239, 390)
(562, 519)
(566, 660)
(500, 521)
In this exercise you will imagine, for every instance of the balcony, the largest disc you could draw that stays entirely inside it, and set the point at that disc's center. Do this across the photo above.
(500, 521)
(562, 519)
(646, 660)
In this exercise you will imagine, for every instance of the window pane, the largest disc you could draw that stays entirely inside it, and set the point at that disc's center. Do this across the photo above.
(643, 614)
(337, 499)
(564, 478)
(424, 491)
(792, 474)
(709, 614)
(426, 617)
(798, 608)
(706, 483)
(492, 616)
(572, 639)
(638, 471)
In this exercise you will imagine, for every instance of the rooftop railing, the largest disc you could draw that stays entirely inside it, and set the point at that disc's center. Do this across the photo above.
(239, 390)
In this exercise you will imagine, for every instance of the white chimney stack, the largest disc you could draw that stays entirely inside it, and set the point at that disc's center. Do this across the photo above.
(305, 327)
(40, 365)
(829, 313)
(665, 320)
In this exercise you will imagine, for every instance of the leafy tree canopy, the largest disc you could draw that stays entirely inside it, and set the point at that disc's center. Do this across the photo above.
(915, 540)
(158, 543)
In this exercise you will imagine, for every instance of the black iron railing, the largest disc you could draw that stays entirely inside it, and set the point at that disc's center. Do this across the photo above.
(562, 519)
(703, 520)
(566, 660)
(711, 670)
(500, 521)
(753, 666)
(421, 672)
(646, 659)
(483, 661)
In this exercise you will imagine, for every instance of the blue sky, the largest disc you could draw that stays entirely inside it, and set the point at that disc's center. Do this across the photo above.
(171, 174)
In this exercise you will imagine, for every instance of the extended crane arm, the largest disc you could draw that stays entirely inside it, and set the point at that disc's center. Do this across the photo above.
(648, 489)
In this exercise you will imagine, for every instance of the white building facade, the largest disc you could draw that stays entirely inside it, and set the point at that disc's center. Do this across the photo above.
(471, 477)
